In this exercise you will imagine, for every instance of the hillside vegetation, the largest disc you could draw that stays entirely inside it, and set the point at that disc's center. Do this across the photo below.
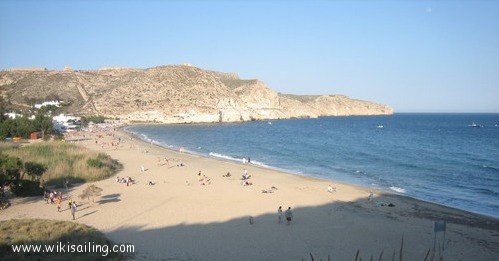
(65, 161)
(173, 94)
(51, 232)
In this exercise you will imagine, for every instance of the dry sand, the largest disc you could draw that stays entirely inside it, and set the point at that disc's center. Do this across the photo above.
(175, 221)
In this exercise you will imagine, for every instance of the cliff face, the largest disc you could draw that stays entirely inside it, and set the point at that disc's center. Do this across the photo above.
(173, 94)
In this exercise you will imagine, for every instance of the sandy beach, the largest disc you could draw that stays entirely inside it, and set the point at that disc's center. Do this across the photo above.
(178, 218)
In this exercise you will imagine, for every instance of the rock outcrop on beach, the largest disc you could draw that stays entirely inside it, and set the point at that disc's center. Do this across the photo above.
(172, 94)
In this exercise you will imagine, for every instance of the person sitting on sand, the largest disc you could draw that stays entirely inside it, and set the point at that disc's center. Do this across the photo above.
(227, 175)
(245, 176)
(331, 189)
(151, 183)
(118, 179)
(247, 183)
(288, 216)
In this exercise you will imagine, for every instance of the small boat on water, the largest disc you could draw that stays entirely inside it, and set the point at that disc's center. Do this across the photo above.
(380, 126)
(474, 125)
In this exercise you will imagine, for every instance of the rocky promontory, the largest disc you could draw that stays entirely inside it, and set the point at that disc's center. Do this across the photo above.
(172, 94)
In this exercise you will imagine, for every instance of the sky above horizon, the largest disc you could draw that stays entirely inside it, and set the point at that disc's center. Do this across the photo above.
(416, 56)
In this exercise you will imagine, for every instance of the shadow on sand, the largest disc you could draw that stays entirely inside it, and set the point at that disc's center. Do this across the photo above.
(337, 230)
(109, 198)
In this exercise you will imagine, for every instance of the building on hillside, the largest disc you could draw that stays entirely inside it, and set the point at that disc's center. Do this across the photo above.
(12, 115)
(47, 103)
(66, 123)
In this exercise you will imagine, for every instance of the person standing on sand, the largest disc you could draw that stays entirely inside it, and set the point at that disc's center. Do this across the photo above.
(73, 210)
(279, 215)
(289, 216)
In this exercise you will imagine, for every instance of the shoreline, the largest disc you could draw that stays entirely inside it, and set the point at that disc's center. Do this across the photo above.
(178, 218)
(289, 172)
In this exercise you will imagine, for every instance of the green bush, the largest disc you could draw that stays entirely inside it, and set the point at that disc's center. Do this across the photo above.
(95, 163)
(63, 161)
(27, 188)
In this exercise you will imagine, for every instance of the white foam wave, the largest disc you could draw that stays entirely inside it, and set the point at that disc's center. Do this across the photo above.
(397, 189)
(218, 155)
(253, 162)
(260, 164)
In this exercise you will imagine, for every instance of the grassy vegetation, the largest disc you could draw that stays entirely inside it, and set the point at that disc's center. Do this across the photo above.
(39, 231)
(64, 160)
(431, 255)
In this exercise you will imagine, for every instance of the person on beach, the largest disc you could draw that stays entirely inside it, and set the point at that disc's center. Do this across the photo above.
(142, 168)
(331, 189)
(58, 203)
(51, 197)
(245, 175)
(73, 210)
(279, 215)
(288, 216)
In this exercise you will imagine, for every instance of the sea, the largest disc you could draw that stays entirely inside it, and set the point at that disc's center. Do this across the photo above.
(434, 157)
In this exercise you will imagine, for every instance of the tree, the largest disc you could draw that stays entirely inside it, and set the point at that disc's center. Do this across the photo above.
(91, 191)
(2, 110)
(43, 124)
(11, 167)
(35, 170)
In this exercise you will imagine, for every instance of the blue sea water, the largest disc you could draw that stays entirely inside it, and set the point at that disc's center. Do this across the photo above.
(434, 157)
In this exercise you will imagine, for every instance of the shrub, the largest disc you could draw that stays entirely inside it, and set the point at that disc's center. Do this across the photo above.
(95, 163)
(27, 188)
(65, 161)
(39, 231)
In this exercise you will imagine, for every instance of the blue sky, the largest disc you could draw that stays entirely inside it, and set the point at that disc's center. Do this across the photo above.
(416, 56)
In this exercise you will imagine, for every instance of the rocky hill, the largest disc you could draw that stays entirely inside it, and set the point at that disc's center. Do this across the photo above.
(172, 94)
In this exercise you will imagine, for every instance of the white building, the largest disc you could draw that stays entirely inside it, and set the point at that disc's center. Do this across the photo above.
(47, 103)
(12, 115)
(65, 123)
